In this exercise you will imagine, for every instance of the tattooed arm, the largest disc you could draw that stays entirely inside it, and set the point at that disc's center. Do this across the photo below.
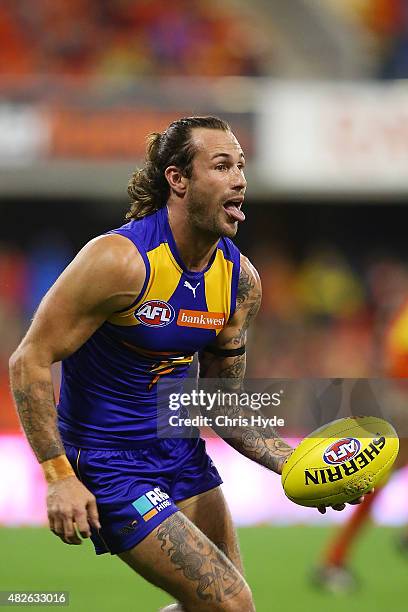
(93, 286)
(260, 444)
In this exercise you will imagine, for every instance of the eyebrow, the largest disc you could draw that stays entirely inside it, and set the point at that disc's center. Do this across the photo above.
(227, 155)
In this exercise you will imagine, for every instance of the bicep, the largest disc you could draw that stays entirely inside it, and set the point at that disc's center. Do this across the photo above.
(61, 324)
(87, 292)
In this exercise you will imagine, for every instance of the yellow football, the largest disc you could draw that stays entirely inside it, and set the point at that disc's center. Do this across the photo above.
(340, 461)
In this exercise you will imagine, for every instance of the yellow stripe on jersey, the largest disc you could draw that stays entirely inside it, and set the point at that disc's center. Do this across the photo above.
(164, 277)
(218, 286)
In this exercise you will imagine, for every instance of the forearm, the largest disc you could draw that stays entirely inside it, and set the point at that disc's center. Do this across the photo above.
(260, 444)
(33, 393)
(233, 422)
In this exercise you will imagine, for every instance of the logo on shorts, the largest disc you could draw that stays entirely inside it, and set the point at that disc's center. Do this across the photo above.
(151, 503)
(155, 313)
(129, 528)
(341, 451)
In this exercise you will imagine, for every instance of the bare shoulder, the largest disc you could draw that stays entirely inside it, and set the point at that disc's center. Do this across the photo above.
(113, 254)
(107, 275)
(108, 265)
(249, 285)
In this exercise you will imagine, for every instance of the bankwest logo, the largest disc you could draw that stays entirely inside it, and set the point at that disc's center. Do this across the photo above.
(348, 468)
(151, 503)
(203, 320)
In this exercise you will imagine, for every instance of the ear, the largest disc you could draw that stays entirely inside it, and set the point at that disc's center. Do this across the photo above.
(178, 183)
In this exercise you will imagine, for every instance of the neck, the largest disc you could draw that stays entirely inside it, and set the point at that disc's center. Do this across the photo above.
(194, 246)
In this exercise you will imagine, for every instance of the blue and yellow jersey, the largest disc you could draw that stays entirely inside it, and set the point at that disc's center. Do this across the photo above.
(108, 393)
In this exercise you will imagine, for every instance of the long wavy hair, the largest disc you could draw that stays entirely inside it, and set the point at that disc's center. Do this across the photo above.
(148, 188)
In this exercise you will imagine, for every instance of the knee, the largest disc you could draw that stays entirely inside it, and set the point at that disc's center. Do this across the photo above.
(243, 602)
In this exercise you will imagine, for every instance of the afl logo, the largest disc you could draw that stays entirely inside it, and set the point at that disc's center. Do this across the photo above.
(341, 451)
(155, 313)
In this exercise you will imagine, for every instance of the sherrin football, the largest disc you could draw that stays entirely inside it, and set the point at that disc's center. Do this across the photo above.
(340, 461)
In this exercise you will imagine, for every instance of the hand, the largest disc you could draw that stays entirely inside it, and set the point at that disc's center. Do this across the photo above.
(71, 509)
(339, 507)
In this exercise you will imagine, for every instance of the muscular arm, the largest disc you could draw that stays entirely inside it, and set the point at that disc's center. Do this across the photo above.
(106, 276)
(93, 286)
(260, 444)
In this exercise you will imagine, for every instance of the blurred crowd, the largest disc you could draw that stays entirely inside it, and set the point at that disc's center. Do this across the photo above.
(128, 37)
(320, 317)
(323, 317)
(196, 37)
(386, 23)
(24, 279)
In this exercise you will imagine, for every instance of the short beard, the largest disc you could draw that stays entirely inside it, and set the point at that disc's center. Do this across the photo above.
(196, 214)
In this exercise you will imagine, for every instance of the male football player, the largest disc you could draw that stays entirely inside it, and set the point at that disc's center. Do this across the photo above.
(131, 310)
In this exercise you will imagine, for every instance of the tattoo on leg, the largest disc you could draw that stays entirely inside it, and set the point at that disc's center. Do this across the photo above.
(223, 548)
(233, 554)
(216, 579)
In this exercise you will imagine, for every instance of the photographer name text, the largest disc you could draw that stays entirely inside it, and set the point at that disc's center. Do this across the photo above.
(222, 420)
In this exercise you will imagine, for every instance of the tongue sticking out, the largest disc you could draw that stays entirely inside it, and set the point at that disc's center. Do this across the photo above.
(234, 212)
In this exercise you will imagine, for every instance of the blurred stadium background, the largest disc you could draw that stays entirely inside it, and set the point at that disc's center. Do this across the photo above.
(315, 91)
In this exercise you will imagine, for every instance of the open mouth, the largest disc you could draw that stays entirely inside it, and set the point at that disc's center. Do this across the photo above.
(233, 209)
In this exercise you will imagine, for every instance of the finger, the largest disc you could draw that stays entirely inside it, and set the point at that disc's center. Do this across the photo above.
(93, 515)
(81, 524)
(359, 500)
(322, 509)
(53, 529)
(51, 523)
(70, 535)
(339, 507)
(58, 528)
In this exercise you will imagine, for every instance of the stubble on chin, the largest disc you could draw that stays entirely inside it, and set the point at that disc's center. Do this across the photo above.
(212, 225)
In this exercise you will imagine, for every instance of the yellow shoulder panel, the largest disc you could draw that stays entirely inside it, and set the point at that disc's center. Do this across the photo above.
(165, 275)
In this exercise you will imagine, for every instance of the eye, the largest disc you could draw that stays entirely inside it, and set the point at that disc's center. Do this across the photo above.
(221, 167)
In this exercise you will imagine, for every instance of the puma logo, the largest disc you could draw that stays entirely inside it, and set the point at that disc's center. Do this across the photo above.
(193, 289)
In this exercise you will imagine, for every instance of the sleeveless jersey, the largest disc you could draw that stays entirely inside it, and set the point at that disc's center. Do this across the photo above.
(108, 393)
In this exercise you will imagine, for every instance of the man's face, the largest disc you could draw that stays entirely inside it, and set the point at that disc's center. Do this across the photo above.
(217, 186)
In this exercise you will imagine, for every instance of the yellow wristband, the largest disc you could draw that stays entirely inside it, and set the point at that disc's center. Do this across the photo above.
(57, 468)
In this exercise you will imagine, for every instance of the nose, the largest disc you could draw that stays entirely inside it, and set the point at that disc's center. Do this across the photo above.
(239, 181)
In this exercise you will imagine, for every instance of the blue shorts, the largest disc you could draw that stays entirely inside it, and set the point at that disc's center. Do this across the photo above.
(138, 489)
